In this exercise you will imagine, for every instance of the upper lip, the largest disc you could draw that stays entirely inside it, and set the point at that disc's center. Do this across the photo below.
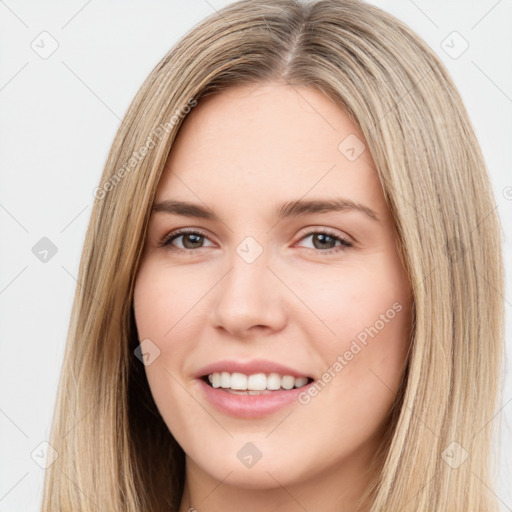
(249, 367)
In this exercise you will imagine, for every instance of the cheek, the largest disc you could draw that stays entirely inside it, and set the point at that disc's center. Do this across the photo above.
(368, 313)
(162, 298)
(157, 310)
(168, 318)
(145, 302)
(358, 303)
(161, 316)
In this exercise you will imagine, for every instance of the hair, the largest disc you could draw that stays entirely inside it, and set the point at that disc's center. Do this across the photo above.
(115, 451)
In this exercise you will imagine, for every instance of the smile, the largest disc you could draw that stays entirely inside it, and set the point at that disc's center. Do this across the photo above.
(254, 384)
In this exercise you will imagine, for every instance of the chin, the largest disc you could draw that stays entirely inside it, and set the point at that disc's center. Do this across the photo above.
(268, 472)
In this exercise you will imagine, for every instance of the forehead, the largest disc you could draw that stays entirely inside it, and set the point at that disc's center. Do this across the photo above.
(272, 142)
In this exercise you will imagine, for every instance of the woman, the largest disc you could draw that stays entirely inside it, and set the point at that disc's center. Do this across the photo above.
(220, 356)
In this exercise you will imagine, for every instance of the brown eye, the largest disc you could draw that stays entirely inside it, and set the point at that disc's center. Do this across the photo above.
(325, 241)
(191, 240)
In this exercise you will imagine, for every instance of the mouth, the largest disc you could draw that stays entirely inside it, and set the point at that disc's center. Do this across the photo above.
(251, 389)
(254, 384)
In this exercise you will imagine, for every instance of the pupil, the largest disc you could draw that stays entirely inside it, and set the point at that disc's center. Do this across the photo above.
(322, 238)
(191, 235)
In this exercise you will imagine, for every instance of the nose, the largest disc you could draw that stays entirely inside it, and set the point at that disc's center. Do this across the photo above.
(247, 301)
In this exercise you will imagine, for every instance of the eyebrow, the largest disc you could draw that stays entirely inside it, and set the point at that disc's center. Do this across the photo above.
(295, 208)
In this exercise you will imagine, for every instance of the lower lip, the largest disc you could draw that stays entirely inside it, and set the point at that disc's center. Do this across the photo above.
(249, 406)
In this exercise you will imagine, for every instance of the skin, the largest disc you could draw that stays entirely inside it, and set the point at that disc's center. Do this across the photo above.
(241, 153)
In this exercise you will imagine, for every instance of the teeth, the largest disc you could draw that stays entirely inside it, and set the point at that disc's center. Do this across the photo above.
(257, 382)
(252, 384)
(288, 382)
(225, 379)
(238, 381)
(274, 381)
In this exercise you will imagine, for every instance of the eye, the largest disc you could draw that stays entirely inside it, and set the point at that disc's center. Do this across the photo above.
(191, 241)
(323, 241)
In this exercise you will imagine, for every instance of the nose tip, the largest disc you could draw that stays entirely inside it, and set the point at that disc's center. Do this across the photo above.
(245, 301)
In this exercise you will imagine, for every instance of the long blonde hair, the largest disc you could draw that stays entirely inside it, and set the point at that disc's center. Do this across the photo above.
(115, 451)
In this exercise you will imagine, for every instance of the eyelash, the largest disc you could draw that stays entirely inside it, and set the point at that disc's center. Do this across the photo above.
(166, 242)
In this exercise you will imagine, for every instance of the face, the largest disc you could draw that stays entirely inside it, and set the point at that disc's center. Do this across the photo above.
(238, 289)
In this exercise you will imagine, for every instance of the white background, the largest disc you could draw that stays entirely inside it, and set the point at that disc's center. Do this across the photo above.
(58, 120)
